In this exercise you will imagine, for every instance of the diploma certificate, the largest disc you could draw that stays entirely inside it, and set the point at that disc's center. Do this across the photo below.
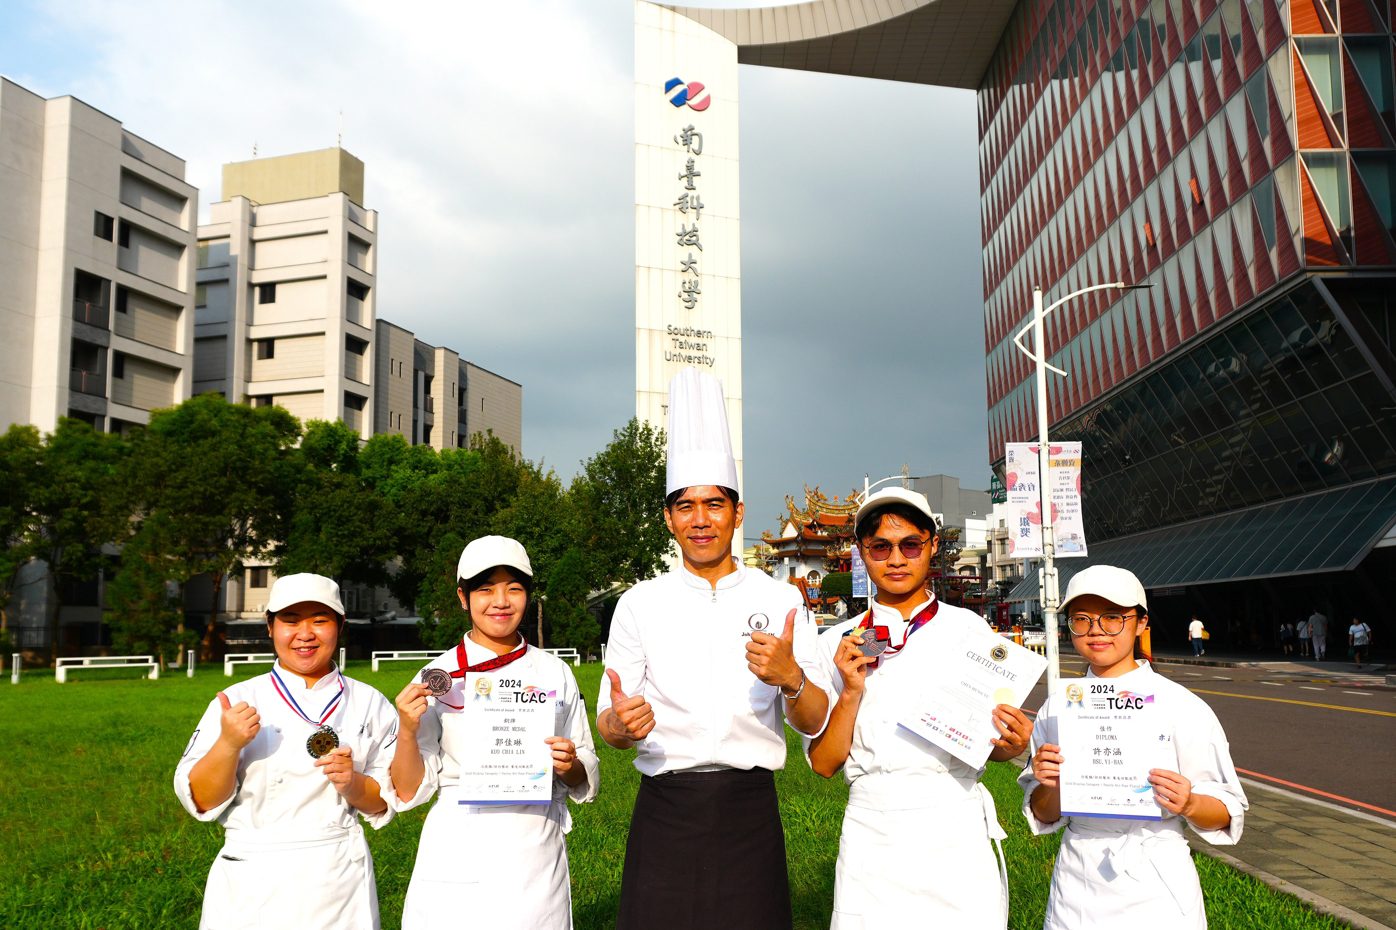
(1110, 738)
(967, 681)
(497, 738)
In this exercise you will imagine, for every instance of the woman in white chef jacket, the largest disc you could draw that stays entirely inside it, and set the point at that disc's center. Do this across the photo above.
(919, 834)
(498, 866)
(284, 761)
(1116, 872)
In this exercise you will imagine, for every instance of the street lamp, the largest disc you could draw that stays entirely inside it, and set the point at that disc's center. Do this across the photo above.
(1047, 589)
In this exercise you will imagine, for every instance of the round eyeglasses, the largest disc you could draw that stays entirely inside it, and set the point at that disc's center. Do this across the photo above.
(1110, 624)
(881, 550)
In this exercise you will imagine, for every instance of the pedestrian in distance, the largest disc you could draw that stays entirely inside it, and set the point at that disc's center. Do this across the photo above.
(1286, 637)
(1195, 635)
(1359, 640)
(288, 762)
(702, 664)
(1302, 631)
(1116, 872)
(1318, 634)
(909, 801)
(496, 863)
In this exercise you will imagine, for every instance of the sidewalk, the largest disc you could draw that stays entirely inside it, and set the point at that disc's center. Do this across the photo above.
(1291, 665)
(1340, 862)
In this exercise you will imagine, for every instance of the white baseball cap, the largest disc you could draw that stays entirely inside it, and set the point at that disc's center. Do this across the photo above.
(913, 499)
(295, 589)
(1116, 585)
(489, 552)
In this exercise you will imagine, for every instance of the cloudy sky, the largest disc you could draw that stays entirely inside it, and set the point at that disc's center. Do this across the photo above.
(498, 142)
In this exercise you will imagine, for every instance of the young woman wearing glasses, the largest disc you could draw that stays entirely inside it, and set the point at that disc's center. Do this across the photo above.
(1116, 872)
(918, 835)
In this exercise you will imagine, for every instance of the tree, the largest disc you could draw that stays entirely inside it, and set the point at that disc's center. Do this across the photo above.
(837, 584)
(208, 483)
(71, 508)
(340, 526)
(620, 501)
(21, 462)
(145, 613)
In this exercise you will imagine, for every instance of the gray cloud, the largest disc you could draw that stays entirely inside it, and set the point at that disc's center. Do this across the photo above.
(498, 145)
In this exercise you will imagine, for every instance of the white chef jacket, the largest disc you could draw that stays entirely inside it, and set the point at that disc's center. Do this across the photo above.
(910, 801)
(285, 817)
(1113, 872)
(460, 854)
(681, 643)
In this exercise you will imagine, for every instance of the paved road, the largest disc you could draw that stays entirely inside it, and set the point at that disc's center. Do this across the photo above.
(1325, 733)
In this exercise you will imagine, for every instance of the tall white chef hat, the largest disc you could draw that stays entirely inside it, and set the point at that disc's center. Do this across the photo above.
(700, 447)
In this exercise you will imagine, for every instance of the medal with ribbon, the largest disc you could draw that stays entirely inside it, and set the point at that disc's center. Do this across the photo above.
(438, 680)
(877, 639)
(324, 740)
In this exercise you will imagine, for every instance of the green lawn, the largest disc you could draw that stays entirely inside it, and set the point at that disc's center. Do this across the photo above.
(91, 835)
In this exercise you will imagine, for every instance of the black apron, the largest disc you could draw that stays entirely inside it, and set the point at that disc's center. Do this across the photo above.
(706, 852)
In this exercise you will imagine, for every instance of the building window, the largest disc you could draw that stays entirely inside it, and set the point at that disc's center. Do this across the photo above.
(256, 577)
(123, 234)
(354, 401)
(262, 400)
(357, 290)
(102, 225)
(426, 434)
(266, 348)
(355, 345)
(266, 293)
(118, 365)
(201, 295)
(123, 297)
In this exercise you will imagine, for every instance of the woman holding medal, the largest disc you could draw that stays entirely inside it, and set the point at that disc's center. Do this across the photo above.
(919, 832)
(284, 761)
(1130, 872)
(500, 865)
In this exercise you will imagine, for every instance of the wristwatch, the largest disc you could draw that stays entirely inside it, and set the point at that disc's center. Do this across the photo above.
(792, 698)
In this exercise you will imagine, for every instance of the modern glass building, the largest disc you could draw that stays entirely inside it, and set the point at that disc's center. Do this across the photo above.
(1239, 417)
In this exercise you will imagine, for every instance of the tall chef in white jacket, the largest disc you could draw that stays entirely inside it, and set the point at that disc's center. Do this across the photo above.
(500, 866)
(285, 761)
(702, 664)
(1115, 872)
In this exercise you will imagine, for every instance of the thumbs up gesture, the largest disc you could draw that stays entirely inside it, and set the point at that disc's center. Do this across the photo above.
(631, 718)
(772, 658)
(239, 722)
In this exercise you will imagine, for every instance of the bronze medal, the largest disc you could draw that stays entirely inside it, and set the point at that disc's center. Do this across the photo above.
(872, 646)
(437, 680)
(322, 742)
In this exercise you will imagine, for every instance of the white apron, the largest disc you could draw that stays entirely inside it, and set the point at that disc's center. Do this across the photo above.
(502, 867)
(252, 885)
(1115, 873)
(919, 850)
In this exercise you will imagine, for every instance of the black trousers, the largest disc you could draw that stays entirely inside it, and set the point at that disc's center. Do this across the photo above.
(706, 852)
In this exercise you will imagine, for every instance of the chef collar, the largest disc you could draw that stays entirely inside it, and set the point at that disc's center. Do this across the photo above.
(729, 580)
(477, 653)
(294, 680)
(890, 616)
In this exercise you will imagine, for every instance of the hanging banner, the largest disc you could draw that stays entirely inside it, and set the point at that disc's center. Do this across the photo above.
(861, 586)
(1025, 500)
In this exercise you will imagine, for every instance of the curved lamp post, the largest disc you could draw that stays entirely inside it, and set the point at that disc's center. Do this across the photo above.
(1048, 591)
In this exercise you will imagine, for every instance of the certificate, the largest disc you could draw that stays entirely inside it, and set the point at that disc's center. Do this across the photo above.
(1110, 738)
(497, 738)
(967, 680)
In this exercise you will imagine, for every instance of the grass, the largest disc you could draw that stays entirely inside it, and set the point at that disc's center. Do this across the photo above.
(92, 836)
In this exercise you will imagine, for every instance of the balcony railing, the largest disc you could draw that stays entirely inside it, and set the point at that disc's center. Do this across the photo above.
(87, 382)
(97, 315)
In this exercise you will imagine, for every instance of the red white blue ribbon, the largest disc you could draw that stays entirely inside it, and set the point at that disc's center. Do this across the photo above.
(325, 714)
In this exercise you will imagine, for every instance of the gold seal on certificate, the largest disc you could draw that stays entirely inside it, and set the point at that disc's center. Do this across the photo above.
(322, 742)
(437, 680)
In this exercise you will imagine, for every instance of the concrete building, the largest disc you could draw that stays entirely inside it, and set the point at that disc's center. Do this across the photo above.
(431, 396)
(96, 267)
(1241, 158)
(287, 291)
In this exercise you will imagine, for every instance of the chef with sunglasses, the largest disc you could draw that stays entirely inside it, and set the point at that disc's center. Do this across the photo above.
(919, 834)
